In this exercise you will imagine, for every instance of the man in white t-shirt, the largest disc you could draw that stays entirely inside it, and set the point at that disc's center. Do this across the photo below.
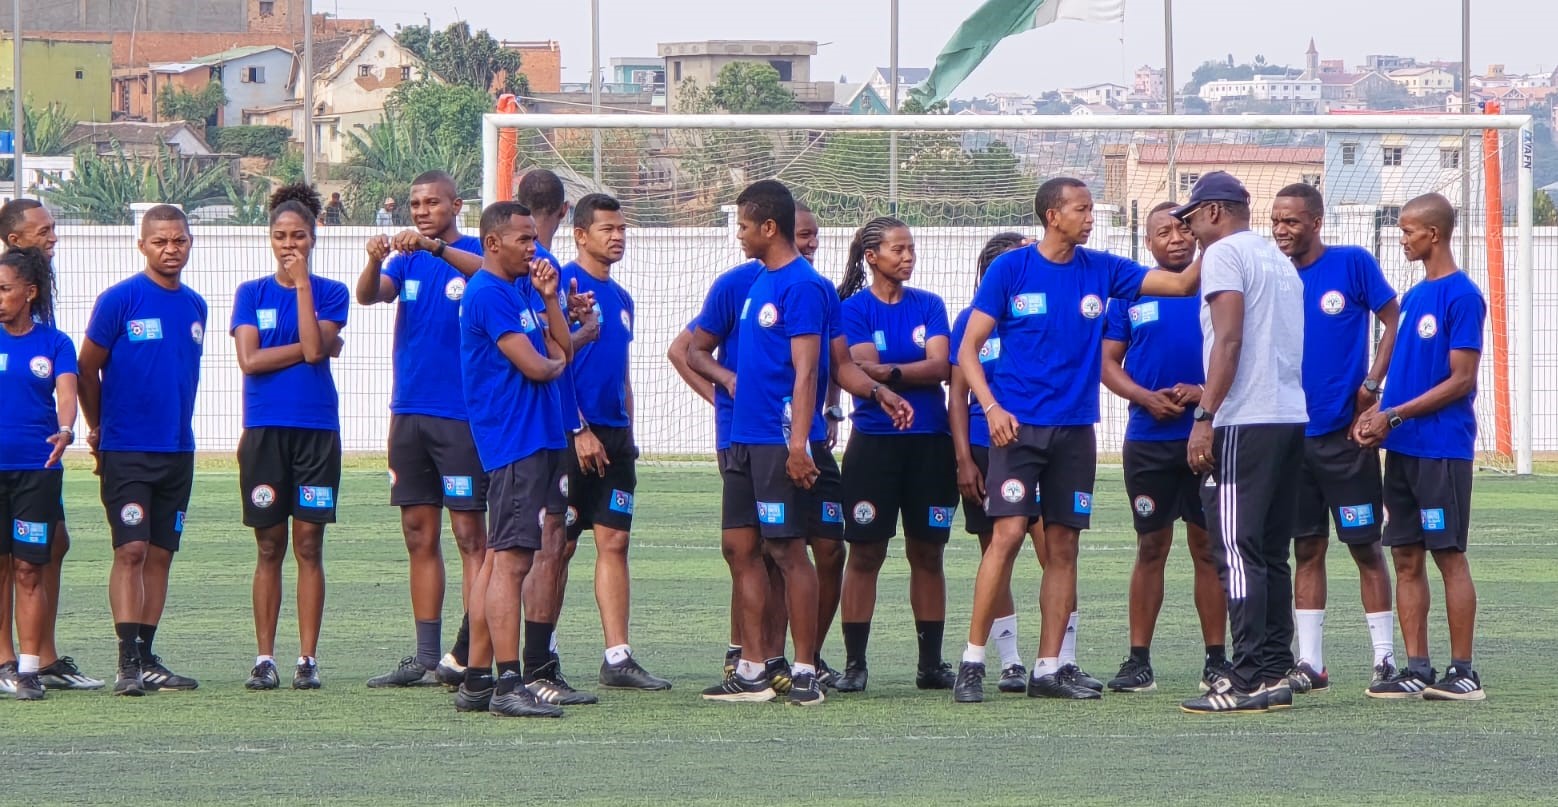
(1248, 437)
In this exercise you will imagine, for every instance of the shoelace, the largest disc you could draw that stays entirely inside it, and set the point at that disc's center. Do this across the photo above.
(68, 665)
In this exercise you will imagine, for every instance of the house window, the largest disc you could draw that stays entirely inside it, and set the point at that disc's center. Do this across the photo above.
(1187, 180)
(1312, 180)
(1391, 155)
(1349, 153)
(267, 8)
(364, 70)
(80, 74)
(253, 75)
(784, 67)
(1449, 158)
(1389, 216)
(405, 73)
(676, 67)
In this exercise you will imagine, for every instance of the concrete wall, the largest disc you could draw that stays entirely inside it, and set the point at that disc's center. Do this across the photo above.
(270, 91)
(156, 15)
(77, 75)
(1369, 181)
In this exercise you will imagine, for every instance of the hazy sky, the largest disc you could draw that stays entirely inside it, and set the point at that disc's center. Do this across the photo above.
(1065, 54)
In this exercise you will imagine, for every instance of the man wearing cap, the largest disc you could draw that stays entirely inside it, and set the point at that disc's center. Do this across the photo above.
(386, 215)
(1248, 436)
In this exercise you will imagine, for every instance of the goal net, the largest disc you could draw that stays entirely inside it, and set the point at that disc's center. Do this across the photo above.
(957, 180)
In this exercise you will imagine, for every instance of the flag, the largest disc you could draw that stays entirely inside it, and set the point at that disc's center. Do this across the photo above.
(994, 21)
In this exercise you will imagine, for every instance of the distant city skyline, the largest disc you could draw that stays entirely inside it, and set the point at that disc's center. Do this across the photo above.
(854, 35)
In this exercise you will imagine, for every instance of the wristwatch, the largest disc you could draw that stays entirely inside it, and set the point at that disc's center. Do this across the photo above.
(896, 375)
(70, 434)
(583, 427)
(874, 390)
(1393, 419)
(438, 247)
(1201, 415)
(834, 413)
(1371, 386)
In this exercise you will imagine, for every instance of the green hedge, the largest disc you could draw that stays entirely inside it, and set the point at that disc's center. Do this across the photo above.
(251, 141)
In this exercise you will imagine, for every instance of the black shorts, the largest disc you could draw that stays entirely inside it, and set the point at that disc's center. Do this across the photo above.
(522, 494)
(915, 474)
(286, 472)
(30, 513)
(146, 496)
(604, 500)
(758, 493)
(433, 460)
(975, 522)
(1338, 480)
(1160, 485)
(1048, 472)
(1429, 501)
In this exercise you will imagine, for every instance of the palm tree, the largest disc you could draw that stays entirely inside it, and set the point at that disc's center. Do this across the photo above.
(104, 186)
(387, 156)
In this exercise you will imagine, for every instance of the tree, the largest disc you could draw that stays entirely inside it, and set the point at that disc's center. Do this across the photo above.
(461, 57)
(741, 88)
(389, 155)
(1543, 212)
(104, 186)
(448, 113)
(913, 106)
(198, 108)
(47, 130)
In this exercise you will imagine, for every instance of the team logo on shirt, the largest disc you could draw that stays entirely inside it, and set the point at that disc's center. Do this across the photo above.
(262, 496)
(865, 512)
(1092, 306)
(1428, 326)
(1332, 302)
(197, 332)
(570, 516)
(919, 336)
(767, 315)
(990, 350)
(627, 321)
(879, 338)
(41, 366)
(1142, 314)
(132, 514)
(31, 532)
(745, 306)
(5, 362)
(1012, 490)
(1361, 515)
(455, 288)
(144, 330)
(1029, 305)
(1145, 506)
(266, 318)
(527, 323)
(1082, 502)
(409, 292)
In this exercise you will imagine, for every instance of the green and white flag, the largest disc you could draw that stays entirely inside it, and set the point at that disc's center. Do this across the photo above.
(993, 22)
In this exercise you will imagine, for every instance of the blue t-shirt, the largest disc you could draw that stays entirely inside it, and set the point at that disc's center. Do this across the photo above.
(427, 332)
(562, 388)
(1340, 291)
(1052, 316)
(1437, 316)
(301, 396)
(900, 332)
(29, 365)
(511, 416)
(154, 338)
(720, 315)
(599, 372)
(784, 303)
(989, 354)
(1162, 337)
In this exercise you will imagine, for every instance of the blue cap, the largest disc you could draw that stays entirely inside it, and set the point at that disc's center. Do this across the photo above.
(1217, 186)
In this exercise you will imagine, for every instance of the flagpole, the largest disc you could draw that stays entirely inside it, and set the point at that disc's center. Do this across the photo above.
(1492, 216)
(595, 139)
(18, 110)
(309, 146)
(892, 94)
(1168, 95)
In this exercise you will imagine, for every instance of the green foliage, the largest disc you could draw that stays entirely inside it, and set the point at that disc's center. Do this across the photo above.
(195, 107)
(104, 186)
(449, 114)
(48, 126)
(741, 88)
(1543, 212)
(914, 106)
(251, 141)
(251, 206)
(461, 57)
(289, 168)
(388, 155)
(1213, 71)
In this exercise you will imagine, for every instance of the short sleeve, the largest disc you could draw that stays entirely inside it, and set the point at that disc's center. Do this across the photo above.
(835, 319)
(333, 303)
(936, 318)
(718, 316)
(395, 269)
(243, 308)
(107, 320)
(857, 323)
(64, 355)
(1117, 322)
(1374, 289)
(1221, 270)
(959, 326)
(805, 308)
(1465, 315)
(1125, 278)
(991, 296)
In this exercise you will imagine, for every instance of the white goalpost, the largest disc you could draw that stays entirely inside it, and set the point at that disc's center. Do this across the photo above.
(958, 179)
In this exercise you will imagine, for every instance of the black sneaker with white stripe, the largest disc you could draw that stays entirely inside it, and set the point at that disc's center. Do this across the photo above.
(1014, 679)
(156, 676)
(826, 676)
(1383, 671)
(735, 689)
(1224, 699)
(1061, 684)
(1402, 685)
(805, 691)
(1135, 675)
(549, 686)
(8, 676)
(1456, 685)
(409, 673)
(1212, 673)
(64, 674)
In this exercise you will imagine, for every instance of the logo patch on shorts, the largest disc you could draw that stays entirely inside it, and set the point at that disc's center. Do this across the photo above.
(832, 513)
(1332, 302)
(562, 485)
(455, 288)
(865, 512)
(31, 532)
(770, 512)
(879, 338)
(458, 486)
(1029, 305)
(410, 290)
(1428, 326)
(940, 517)
(1012, 490)
(266, 317)
(197, 332)
(1142, 314)
(316, 497)
(1433, 520)
(144, 330)
(919, 336)
(392, 477)
(1359, 515)
(262, 496)
(132, 514)
(541, 518)
(571, 516)
(178, 522)
(1145, 506)
(768, 315)
(1092, 306)
(622, 502)
(41, 366)
(1082, 502)
(990, 350)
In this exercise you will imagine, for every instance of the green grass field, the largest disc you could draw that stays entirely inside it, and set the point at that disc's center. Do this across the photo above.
(350, 745)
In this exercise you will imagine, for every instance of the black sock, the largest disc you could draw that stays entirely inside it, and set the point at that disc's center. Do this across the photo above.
(537, 654)
(1141, 655)
(1461, 665)
(462, 642)
(129, 634)
(508, 676)
(1216, 655)
(478, 678)
(430, 640)
(1420, 666)
(147, 633)
(856, 636)
(929, 633)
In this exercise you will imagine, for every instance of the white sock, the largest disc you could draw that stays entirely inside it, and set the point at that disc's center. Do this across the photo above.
(1068, 643)
(1382, 630)
(617, 654)
(552, 643)
(799, 669)
(1004, 631)
(1310, 625)
(26, 664)
(1045, 666)
(306, 660)
(749, 670)
(974, 654)
(258, 660)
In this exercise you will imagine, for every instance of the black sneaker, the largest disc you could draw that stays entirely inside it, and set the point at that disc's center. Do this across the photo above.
(1383, 671)
(1404, 684)
(128, 679)
(28, 687)
(732, 658)
(520, 703)
(941, 676)
(970, 684)
(1456, 685)
(826, 676)
(805, 691)
(1304, 678)
(63, 674)
(1278, 695)
(1061, 684)
(549, 686)
(306, 676)
(155, 676)
(1134, 676)
(777, 671)
(853, 679)
(1080, 676)
(1212, 673)
(1224, 699)
(263, 676)
(450, 673)
(472, 700)
(735, 689)
(629, 675)
(8, 677)
(1014, 679)
(409, 673)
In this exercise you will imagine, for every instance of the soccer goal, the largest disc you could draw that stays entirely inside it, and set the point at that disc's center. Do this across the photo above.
(957, 180)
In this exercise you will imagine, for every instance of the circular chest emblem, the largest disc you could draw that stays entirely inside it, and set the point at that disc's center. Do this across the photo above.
(1332, 302)
(262, 496)
(919, 336)
(767, 315)
(1427, 327)
(132, 514)
(455, 288)
(41, 366)
(197, 332)
(627, 321)
(1011, 490)
(1092, 306)
(865, 512)
(1145, 506)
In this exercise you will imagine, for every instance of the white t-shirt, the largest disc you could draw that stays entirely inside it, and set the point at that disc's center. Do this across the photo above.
(1268, 383)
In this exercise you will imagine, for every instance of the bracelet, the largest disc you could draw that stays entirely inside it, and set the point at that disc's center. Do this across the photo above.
(992, 407)
(874, 391)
